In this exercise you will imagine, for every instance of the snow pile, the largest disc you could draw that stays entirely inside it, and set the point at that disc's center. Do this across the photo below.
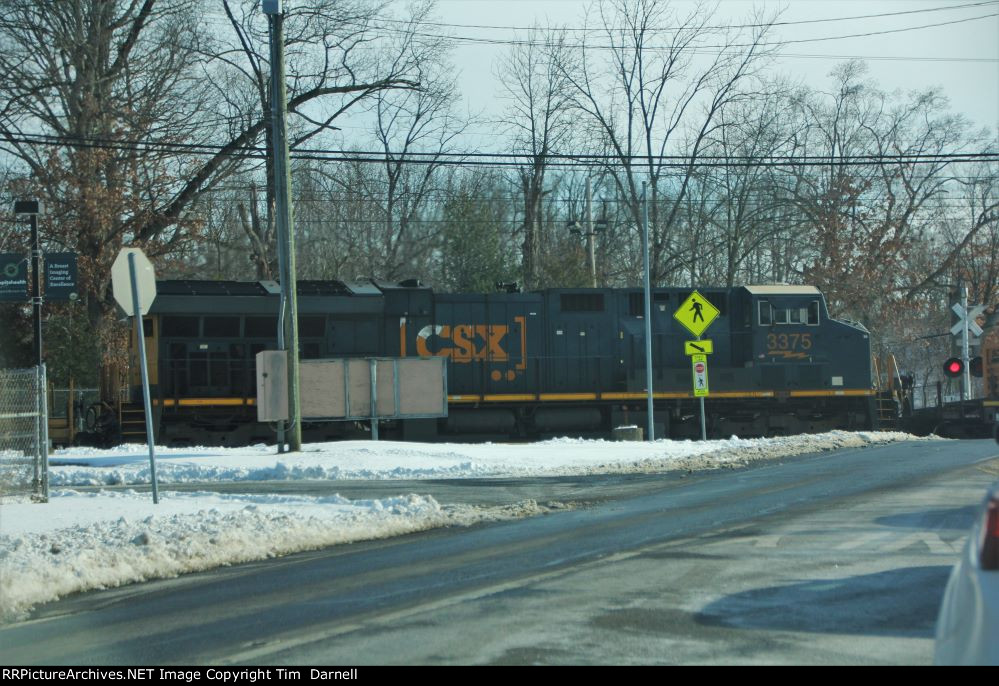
(82, 541)
(395, 460)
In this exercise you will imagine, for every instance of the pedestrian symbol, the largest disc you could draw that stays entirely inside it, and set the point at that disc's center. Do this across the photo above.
(696, 313)
(696, 308)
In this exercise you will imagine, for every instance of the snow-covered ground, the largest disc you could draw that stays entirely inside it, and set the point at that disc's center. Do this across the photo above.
(98, 539)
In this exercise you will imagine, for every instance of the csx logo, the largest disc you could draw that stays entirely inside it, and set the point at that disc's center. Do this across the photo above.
(464, 342)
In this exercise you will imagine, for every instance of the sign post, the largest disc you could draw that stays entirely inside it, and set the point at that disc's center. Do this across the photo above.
(696, 314)
(135, 295)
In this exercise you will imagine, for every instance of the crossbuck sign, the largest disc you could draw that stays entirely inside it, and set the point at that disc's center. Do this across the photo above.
(970, 315)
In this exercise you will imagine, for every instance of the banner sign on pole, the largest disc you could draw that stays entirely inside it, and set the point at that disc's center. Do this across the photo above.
(13, 277)
(60, 276)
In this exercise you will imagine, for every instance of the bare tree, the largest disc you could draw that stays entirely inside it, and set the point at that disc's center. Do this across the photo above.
(653, 99)
(742, 202)
(95, 97)
(879, 193)
(123, 113)
(539, 118)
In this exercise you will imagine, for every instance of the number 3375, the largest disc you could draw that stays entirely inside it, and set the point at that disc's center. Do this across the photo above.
(789, 341)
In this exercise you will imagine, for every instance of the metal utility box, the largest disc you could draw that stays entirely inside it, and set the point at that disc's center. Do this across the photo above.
(272, 385)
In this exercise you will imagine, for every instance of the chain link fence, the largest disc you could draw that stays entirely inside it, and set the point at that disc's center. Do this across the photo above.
(23, 433)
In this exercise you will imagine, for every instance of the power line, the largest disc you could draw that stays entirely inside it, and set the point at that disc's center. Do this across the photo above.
(500, 160)
(379, 155)
(587, 29)
(700, 49)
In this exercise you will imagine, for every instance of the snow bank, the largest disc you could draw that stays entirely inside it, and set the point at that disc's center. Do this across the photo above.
(394, 460)
(83, 541)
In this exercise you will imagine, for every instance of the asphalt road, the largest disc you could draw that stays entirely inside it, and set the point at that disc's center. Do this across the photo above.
(838, 558)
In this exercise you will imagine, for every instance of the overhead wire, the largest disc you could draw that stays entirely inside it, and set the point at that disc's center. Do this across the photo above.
(513, 159)
(799, 22)
(698, 49)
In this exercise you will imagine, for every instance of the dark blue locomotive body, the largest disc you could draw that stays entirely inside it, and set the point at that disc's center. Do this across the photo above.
(519, 365)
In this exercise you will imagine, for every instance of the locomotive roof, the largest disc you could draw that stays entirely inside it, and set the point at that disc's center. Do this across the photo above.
(254, 288)
(783, 289)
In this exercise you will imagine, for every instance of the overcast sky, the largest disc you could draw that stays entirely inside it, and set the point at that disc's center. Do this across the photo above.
(961, 55)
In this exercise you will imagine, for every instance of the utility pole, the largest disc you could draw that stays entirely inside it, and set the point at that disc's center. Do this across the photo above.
(965, 354)
(284, 217)
(651, 430)
(589, 233)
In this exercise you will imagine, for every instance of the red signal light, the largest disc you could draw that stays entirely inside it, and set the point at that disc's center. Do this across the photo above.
(953, 367)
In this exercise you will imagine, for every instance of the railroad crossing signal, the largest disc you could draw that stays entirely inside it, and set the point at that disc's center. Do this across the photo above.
(954, 367)
(696, 314)
(699, 366)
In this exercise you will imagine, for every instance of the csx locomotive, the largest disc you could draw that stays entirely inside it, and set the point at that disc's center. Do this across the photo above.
(519, 365)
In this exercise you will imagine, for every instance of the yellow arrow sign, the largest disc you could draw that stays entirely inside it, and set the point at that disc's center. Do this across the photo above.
(704, 347)
(696, 313)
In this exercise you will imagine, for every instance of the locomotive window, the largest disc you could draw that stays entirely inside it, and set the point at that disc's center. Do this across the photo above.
(780, 315)
(313, 327)
(582, 302)
(261, 327)
(766, 313)
(636, 304)
(813, 313)
(184, 327)
(794, 315)
(221, 327)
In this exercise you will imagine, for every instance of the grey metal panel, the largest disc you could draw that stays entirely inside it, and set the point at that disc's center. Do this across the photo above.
(359, 387)
(421, 389)
(386, 381)
(405, 388)
(321, 388)
(272, 385)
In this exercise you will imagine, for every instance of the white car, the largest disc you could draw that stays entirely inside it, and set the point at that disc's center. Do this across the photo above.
(968, 625)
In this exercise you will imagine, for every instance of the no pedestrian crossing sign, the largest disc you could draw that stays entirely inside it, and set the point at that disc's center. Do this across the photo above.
(699, 366)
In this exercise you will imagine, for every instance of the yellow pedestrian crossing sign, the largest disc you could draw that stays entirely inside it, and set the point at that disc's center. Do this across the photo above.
(696, 313)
